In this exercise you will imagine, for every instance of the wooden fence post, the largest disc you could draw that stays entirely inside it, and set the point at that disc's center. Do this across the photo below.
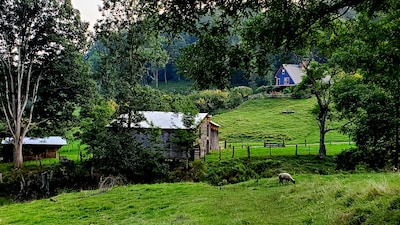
(1, 178)
(296, 150)
(225, 144)
(233, 151)
(305, 142)
(248, 151)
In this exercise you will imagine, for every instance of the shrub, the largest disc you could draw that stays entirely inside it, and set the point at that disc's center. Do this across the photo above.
(348, 159)
(230, 172)
(235, 99)
(210, 100)
(262, 89)
(243, 90)
(118, 152)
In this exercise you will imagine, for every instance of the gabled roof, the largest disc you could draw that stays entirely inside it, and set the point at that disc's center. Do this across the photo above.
(52, 140)
(295, 72)
(165, 120)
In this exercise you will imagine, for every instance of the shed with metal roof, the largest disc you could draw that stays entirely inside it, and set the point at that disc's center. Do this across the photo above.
(34, 147)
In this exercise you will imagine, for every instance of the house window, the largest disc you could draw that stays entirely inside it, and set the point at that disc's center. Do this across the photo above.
(278, 82)
(287, 80)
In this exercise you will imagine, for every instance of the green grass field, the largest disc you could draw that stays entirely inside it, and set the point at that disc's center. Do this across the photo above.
(258, 150)
(262, 119)
(314, 199)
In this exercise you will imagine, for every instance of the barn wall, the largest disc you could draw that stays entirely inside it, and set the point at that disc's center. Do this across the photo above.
(207, 141)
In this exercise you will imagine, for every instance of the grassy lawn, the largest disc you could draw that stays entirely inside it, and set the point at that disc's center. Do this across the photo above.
(258, 150)
(368, 198)
(261, 119)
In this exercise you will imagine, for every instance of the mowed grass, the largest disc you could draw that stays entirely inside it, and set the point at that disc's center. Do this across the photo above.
(368, 198)
(262, 119)
(240, 150)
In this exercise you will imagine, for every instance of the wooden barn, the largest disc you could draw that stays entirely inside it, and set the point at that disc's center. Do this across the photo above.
(34, 148)
(289, 75)
(170, 122)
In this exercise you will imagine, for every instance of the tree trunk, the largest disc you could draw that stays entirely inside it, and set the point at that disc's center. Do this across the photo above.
(322, 131)
(156, 77)
(322, 148)
(397, 144)
(18, 159)
(165, 75)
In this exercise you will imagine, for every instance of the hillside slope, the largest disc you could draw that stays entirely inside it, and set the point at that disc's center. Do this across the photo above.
(370, 198)
(261, 119)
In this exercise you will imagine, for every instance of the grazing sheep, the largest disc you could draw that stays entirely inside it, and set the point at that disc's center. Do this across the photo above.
(286, 177)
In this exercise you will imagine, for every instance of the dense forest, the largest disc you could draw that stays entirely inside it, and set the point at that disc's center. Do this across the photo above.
(59, 78)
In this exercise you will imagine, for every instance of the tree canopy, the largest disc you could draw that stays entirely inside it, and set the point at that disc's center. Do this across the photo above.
(39, 41)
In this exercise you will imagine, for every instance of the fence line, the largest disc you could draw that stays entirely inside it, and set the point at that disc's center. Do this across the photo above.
(242, 149)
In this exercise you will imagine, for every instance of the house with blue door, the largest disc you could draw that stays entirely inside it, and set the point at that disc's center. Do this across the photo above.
(289, 75)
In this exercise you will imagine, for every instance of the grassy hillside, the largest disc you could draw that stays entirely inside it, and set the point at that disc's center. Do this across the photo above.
(315, 199)
(261, 119)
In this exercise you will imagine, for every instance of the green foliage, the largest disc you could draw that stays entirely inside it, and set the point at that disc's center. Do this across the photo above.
(118, 152)
(229, 172)
(349, 159)
(43, 71)
(210, 100)
(372, 127)
(262, 89)
(243, 91)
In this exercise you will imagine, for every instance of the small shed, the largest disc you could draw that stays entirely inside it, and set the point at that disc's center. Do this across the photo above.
(289, 75)
(170, 122)
(34, 148)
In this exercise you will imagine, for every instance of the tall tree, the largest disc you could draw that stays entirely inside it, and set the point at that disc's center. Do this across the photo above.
(319, 80)
(372, 52)
(33, 35)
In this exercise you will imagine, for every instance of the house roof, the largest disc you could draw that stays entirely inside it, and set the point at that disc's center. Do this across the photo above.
(166, 120)
(295, 72)
(52, 140)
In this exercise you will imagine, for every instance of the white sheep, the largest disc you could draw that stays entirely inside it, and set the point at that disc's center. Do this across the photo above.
(285, 176)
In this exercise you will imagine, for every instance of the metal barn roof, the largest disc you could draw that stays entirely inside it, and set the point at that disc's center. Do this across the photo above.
(52, 140)
(166, 120)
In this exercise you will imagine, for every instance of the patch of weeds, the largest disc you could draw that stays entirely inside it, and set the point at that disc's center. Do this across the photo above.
(373, 193)
(339, 193)
(246, 222)
(308, 221)
(349, 201)
(395, 204)
(360, 216)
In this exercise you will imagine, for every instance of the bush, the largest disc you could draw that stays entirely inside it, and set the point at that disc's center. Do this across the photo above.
(230, 172)
(243, 90)
(262, 89)
(348, 159)
(235, 99)
(210, 100)
(117, 152)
